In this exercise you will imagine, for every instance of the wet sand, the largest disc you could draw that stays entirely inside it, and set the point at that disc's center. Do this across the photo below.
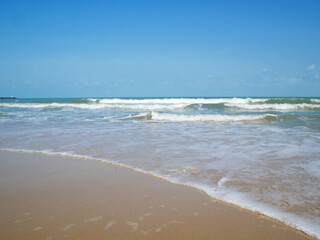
(51, 197)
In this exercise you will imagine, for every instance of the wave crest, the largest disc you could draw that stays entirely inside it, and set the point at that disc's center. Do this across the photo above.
(170, 117)
(281, 107)
(175, 104)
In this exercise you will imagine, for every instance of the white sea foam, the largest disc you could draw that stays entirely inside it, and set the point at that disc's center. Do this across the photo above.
(203, 117)
(169, 104)
(179, 100)
(239, 199)
(151, 107)
(133, 225)
(68, 226)
(110, 224)
(222, 181)
(281, 107)
(52, 105)
(94, 219)
(134, 104)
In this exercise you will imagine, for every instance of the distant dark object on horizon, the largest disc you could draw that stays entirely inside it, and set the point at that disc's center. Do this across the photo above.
(8, 97)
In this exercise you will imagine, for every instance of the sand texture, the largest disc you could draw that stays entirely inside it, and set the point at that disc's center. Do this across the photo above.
(51, 197)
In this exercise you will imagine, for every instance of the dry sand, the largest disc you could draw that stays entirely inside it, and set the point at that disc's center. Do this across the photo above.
(51, 197)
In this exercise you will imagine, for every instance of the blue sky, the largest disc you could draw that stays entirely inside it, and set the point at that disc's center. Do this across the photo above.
(159, 48)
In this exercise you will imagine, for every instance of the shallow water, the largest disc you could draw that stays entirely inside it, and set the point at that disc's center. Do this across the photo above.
(259, 153)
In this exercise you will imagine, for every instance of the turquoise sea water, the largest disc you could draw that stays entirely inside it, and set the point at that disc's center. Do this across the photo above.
(262, 154)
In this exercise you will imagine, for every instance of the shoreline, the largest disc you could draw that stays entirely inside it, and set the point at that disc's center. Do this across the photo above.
(224, 204)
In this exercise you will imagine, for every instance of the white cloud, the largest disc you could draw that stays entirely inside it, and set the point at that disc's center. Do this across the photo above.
(312, 66)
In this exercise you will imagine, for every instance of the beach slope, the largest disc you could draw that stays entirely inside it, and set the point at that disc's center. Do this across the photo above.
(52, 197)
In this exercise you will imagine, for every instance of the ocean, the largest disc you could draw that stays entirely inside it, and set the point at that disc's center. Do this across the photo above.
(262, 154)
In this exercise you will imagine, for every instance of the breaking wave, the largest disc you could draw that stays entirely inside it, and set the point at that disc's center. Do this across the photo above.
(280, 107)
(174, 104)
(178, 100)
(169, 117)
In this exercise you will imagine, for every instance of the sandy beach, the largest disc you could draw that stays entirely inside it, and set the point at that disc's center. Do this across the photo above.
(159, 120)
(52, 197)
